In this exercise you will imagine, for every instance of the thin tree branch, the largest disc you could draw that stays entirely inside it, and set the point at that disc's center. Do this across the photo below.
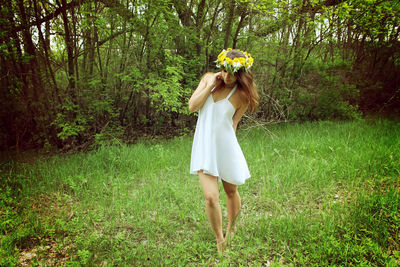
(49, 16)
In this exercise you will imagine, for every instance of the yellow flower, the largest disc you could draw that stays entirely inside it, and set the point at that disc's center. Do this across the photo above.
(251, 60)
(222, 54)
(229, 49)
(230, 61)
(236, 59)
(242, 60)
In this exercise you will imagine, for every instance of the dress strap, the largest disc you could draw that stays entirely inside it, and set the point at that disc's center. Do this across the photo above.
(231, 92)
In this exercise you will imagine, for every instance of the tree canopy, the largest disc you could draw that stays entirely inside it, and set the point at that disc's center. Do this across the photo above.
(78, 73)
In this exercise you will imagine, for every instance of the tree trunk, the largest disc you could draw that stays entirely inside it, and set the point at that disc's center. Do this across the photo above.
(209, 34)
(30, 49)
(229, 21)
(199, 24)
(250, 32)
(243, 15)
(70, 49)
(46, 47)
(75, 46)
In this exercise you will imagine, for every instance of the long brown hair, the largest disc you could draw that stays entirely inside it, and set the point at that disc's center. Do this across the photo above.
(246, 81)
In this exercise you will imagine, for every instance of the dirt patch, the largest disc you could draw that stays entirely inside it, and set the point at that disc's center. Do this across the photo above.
(49, 255)
(49, 248)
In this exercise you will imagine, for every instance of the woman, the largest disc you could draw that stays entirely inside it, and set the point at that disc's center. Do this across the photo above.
(222, 98)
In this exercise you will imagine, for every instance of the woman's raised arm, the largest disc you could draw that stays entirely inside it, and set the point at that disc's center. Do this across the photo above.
(202, 91)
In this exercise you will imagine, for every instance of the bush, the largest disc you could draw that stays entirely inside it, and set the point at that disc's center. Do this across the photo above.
(324, 93)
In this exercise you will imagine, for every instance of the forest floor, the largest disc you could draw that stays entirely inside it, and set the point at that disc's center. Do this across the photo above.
(321, 193)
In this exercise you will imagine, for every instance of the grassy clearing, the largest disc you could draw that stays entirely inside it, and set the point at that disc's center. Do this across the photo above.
(324, 193)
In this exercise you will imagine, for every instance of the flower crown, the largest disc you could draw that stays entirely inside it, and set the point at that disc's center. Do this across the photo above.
(233, 65)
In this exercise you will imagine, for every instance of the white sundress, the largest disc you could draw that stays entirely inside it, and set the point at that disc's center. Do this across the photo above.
(215, 148)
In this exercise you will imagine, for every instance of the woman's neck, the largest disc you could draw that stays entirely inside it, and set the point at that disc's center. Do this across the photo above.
(230, 86)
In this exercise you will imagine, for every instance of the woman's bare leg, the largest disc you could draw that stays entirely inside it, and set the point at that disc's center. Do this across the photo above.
(233, 205)
(213, 209)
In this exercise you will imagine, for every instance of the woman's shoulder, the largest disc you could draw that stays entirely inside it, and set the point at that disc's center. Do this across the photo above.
(207, 74)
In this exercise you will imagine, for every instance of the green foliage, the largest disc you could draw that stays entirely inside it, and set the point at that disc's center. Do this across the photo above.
(71, 123)
(266, 6)
(377, 223)
(308, 90)
(11, 232)
(84, 256)
(25, 222)
(368, 236)
(110, 135)
(167, 89)
(326, 95)
(135, 64)
(377, 16)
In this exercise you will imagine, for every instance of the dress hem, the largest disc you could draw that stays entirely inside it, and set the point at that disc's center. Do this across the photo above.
(219, 178)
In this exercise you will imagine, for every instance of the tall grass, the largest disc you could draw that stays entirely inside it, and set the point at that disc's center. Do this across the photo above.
(322, 193)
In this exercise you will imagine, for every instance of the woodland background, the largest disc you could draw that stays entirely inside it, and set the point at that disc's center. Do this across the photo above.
(75, 74)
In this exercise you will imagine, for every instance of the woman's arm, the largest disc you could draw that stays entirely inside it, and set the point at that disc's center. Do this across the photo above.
(202, 91)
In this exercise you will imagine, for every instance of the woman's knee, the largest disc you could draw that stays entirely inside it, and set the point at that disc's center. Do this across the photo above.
(230, 189)
(231, 192)
(212, 200)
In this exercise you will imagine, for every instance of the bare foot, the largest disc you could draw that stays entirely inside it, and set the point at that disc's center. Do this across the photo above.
(221, 245)
(230, 233)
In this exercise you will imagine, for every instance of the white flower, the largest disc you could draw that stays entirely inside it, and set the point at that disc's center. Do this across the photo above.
(237, 65)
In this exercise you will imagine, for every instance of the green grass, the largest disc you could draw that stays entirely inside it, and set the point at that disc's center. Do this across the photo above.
(323, 193)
